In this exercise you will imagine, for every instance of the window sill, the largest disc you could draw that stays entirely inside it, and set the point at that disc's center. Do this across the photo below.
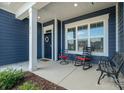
(94, 54)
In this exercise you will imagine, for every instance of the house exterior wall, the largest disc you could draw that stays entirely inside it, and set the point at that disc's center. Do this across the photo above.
(14, 39)
(14, 34)
(39, 40)
(121, 29)
(111, 28)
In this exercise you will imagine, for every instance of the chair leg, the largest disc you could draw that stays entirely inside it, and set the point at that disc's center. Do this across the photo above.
(103, 76)
(78, 63)
(75, 62)
(86, 66)
(61, 61)
(100, 77)
(118, 82)
(64, 62)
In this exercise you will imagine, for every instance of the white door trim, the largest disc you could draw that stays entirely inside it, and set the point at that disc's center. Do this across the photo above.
(56, 39)
(50, 27)
(61, 36)
(42, 41)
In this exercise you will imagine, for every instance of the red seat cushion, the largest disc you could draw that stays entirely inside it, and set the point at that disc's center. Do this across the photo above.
(83, 59)
(63, 57)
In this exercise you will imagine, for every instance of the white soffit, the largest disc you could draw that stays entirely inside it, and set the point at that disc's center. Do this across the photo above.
(48, 11)
(65, 10)
(22, 12)
(20, 9)
(11, 6)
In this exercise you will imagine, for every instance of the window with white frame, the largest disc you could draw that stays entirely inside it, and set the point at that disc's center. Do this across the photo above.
(97, 36)
(92, 33)
(82, 37)
(71, 39)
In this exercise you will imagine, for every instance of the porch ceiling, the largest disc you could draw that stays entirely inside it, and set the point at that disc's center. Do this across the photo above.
(11, 6)
(64, 10)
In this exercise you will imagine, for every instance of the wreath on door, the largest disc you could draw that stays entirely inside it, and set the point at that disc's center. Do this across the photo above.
(46, 39)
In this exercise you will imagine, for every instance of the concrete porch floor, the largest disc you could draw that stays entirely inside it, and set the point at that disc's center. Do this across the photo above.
(68, 76)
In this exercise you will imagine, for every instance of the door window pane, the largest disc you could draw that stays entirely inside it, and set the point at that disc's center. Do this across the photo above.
(97, 44)
(71, 45)
(71, 34)
(82, 44)
(82, 32)
(96, 29)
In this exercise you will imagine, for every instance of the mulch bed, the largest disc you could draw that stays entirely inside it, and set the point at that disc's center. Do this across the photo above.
(42, 83)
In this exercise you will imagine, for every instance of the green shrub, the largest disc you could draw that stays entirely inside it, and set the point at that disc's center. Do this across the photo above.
(9, 77)
(28, 86)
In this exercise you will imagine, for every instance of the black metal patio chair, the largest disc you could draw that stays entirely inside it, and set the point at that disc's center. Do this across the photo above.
(84, 59)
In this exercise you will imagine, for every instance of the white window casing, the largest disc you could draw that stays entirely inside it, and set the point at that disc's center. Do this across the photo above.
(61, 36)
(104, 19)
(56, 40)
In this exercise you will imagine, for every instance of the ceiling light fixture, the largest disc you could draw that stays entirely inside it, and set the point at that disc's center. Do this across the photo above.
(75, 4)
(92, 3)
(38, 17)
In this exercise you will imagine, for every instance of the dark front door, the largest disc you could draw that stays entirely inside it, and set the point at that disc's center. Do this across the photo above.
(47, 45)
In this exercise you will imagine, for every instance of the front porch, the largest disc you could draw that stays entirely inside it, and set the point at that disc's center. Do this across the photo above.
(45, 32)
(68, 76)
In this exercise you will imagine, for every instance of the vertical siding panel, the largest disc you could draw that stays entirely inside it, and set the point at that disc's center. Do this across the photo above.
(121, 29)
(39, 40)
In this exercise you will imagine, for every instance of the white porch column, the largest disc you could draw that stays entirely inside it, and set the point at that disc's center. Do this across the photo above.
(32, 39)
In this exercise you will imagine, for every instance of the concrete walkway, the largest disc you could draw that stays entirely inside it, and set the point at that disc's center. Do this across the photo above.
(68, 76)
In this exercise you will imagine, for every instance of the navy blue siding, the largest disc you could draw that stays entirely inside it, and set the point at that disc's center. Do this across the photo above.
(39, 40)
(121, 29)
(51, 22)
(14, 39)
(39, 37)
(112, 36)
(59, 36)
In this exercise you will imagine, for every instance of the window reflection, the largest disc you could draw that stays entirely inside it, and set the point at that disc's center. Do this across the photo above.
(82, 32)
(96, 29)
(79, 37)
(97, 44)
(71, 45)
(82, 44)
(82, 35)
(71, 34)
